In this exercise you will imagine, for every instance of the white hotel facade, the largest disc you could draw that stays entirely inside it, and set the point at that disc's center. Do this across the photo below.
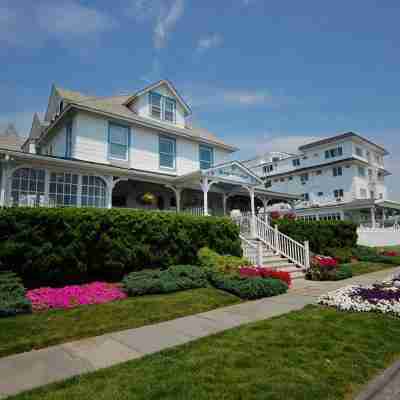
(341, 177)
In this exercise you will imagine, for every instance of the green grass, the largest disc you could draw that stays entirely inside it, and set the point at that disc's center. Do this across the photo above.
(361, 268)
(27, 332)
(391, 248)
(315, 353)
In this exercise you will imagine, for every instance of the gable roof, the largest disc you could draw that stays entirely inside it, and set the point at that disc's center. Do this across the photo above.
(156, 85)
(9, 138)
(342, 136)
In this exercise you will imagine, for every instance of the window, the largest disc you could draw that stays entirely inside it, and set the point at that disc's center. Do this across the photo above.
(319, 172)
(330, 217)
(275, 159)
(303, 178)
(320, 194)
(282, 179)
(28, 187)
(296, 162)
(93, 192)
(338, 193)
(68, 140)
(359, 152)
(155, 105)
(268, 184)
(361, 172)
(167, 150)
(305, 196)
(169, 109)
(337, 171)
(332, 153)
(290, 178)
(268, 168)
(206, 157)
(63, 189)
(118, 138)
(363, 193)
(381, 196)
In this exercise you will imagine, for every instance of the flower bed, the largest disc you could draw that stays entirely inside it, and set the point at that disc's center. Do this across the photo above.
(322, 268)
(73, 296)
(379, 297)
(265, 272)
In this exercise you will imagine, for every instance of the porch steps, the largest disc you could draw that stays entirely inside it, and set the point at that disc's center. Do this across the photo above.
(274, 261)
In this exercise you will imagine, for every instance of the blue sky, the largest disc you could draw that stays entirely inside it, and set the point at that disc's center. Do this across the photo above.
(261, 74)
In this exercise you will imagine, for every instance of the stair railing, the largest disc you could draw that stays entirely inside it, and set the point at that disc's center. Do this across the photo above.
(251, 251)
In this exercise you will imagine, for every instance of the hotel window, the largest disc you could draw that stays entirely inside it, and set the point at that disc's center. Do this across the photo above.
(296, 162)
(304, 178)
(337, 171)
(361, 172)
(332, 153)
(118, 141)
(28, 187)
(206, 156)
(167, 150)
(155, 105)
(338, 193)
(169, 109)
(63, 189)
(68, 140)
(359, 152)
(94, 192)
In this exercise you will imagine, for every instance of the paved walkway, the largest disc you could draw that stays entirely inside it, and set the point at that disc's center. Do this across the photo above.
(39, 367)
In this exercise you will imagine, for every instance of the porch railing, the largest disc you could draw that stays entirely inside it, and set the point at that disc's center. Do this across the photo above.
(280, 243)
(250, 251)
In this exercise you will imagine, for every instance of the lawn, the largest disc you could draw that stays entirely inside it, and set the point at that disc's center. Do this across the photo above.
(315, 353)
(27, 332)
(361, 268)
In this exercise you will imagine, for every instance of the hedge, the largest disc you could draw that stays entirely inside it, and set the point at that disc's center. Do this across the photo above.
(322, 235)
(72, 245)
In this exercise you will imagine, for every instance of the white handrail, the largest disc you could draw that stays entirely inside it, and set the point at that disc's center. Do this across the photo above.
(252, 256)
(279, 242)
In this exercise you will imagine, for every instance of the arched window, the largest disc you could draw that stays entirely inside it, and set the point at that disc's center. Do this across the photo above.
(28, 187)
(94, 192)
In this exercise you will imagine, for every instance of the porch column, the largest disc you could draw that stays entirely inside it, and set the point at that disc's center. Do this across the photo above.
(206, 184)
(373, 217)
(178, 192)
(253, 210)
(224, 200)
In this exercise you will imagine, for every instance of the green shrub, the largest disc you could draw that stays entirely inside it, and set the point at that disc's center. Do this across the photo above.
(213, 261)
(173, 279)
(51, 246)
(344, 272)
(322, 235)
(380, 259)
(12, 296)
(342, 255)
(248, 288)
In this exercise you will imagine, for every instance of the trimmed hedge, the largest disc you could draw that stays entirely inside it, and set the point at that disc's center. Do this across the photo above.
(173, 279)
(212, 261)
(248, 288)
(12, 296)
(322, 235)
(57, 246)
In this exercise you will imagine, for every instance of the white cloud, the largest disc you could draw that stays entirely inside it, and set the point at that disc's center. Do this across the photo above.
(37, 22)
(72, 18)
(208, 42)
(163, 14)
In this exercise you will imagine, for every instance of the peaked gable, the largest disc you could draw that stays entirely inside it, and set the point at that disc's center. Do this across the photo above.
(165, 88)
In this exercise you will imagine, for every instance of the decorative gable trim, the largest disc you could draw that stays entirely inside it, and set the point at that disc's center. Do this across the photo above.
(156, 85)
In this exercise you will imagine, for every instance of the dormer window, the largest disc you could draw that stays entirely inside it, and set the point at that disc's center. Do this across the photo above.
(162, 107)
(155, 105)
(169, 109)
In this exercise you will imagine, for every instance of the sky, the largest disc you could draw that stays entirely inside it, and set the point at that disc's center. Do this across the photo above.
(261, 74)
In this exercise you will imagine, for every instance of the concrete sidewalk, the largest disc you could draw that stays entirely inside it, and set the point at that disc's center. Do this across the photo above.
(40, 367)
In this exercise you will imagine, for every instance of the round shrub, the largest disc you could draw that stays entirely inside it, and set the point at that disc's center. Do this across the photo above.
(12, 296)
(344, 272)
(248, 288)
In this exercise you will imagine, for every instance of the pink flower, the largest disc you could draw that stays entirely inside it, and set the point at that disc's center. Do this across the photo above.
(74, 296)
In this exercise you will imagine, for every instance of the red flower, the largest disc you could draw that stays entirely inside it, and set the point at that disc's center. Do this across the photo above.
(265, 272)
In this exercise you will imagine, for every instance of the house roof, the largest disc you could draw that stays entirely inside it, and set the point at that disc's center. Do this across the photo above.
(342, 136)
(9, 138)
(156, 85)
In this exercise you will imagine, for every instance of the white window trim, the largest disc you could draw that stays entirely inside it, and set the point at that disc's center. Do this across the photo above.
(128, 144)
(173, 140)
